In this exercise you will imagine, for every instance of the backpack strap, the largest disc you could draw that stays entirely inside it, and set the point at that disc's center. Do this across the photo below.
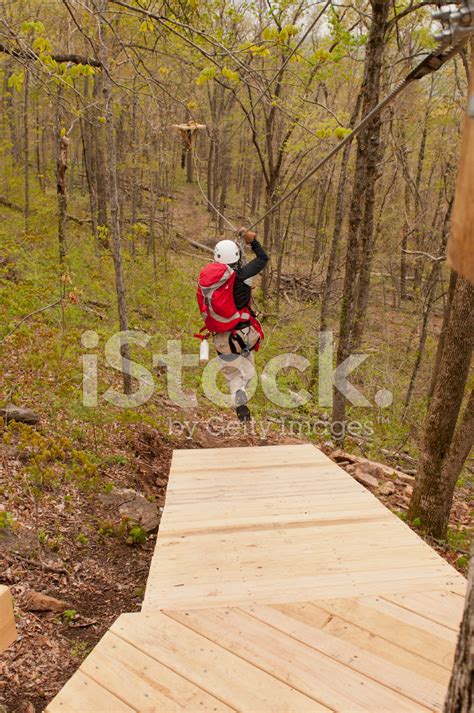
(201, 335)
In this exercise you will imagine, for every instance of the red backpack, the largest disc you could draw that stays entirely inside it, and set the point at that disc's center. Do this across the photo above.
(215, 296)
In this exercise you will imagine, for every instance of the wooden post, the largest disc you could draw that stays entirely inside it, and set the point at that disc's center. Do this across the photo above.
(7, 619)
(189, 159)
(188, 136)
(461, 244)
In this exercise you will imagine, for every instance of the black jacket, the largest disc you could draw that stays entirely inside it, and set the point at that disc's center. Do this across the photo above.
(242, 291)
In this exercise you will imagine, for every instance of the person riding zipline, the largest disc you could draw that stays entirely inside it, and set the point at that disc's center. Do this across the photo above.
(224, 296)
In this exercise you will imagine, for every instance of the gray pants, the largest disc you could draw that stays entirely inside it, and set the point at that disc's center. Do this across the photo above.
(238, 371)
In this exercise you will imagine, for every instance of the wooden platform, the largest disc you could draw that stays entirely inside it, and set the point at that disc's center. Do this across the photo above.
(7, 619)
(278, 584)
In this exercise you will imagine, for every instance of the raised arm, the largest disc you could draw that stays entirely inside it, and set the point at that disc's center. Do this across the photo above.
(256, 265)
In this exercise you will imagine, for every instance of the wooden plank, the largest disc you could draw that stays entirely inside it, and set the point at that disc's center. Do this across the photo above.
(7, 619)
(445, 608)
(331, 682)
(417, 620)
(82, 695)
(246, 566)
(257, 491)
(249, 455)
(301, 588)
(271, 522)
(389, 626)
(407, 683)
(324, 474)
(312, 615)
(206, 664)
(268, 511)
(142, 682)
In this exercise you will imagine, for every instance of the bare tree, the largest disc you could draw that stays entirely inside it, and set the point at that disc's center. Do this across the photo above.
(460, 697)
(114, 195)
(445, 447)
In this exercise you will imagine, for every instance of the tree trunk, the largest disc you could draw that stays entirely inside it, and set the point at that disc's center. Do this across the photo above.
(189, 164)
(338, 222)
(90, 169)
(419, 228)
(430, 296)
(225, 179)
(39, 169)
(98, 137)
(27, 150)
(62, 143)
(114, 204)
(460, 697)
(360, 240)
(442, 453)
(442, 337)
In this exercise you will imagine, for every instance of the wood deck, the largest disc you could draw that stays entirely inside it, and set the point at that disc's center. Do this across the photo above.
(278, 584)
(7, 619)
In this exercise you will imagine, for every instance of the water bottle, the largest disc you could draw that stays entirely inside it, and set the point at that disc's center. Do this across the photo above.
(204, 351)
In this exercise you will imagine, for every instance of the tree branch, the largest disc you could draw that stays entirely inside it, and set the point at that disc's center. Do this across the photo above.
(29, 54)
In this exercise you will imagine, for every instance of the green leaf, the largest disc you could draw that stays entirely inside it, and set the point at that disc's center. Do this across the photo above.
(230, 75)
(32, 26)
(340, 132)
(147, 26)
(16, 80)
(207, 74)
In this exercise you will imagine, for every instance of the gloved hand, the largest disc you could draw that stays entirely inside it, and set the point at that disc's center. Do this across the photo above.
(247, 235)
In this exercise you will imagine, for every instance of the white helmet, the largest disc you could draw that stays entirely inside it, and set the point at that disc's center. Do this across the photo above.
(227, 252)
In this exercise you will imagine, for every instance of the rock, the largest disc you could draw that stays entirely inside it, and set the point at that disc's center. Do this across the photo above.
(404, 477)
(37, 601)
(365, 478)
(409, 490)
(16, 413)
(371, 468)
(342, 456)
(375, 468)
(387, 488)
(327, 447)
(134, 506)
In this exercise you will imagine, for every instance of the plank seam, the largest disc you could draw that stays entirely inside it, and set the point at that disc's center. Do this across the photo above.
(170, 668)
(418, 613)
(320, 604)
(342, 663)
(290, 525)
(112, 693)
(251, 663)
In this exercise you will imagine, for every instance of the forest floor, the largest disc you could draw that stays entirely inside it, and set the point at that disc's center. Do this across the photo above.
(56, 535)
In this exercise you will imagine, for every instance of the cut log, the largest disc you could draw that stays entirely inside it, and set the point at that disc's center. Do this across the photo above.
(37, 601)
(16, 413)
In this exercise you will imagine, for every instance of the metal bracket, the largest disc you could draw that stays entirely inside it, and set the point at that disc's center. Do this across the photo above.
(458, 22)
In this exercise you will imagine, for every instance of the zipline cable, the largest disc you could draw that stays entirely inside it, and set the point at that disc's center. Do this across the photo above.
(429, 64)
(452, 41)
